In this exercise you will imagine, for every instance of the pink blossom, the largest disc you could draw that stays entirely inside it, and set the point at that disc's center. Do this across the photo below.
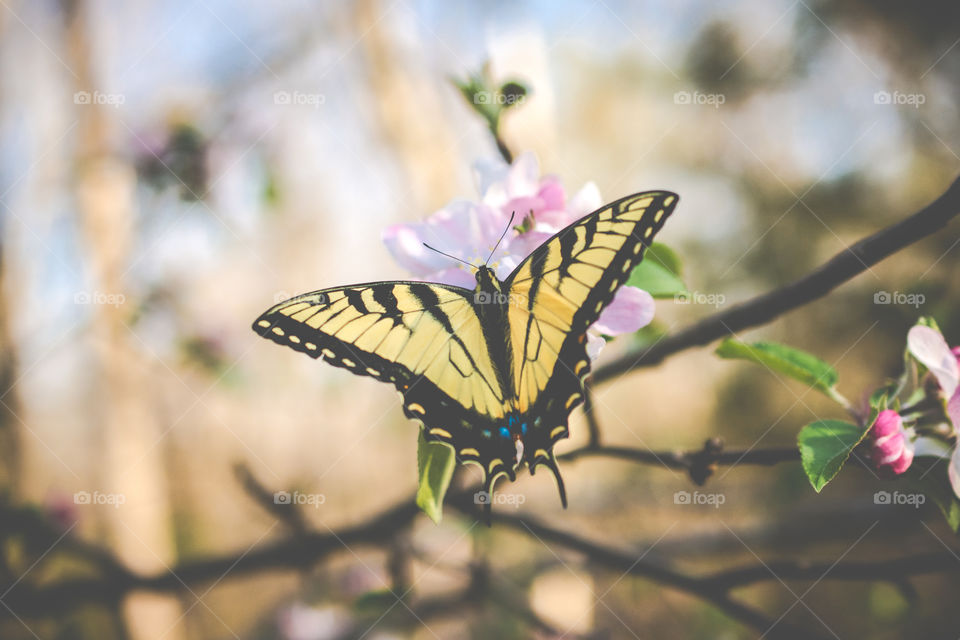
(929, 347)
(61, 509)
(469, 230)
(891, 448)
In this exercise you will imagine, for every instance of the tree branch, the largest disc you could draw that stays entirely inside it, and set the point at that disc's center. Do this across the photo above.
(302, 549)
(699, 463)
(764, 308)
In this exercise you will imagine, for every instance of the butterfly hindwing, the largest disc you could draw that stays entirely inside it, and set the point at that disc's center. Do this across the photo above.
(557, 293)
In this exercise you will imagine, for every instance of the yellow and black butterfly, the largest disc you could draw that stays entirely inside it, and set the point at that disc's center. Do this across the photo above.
(493, 372)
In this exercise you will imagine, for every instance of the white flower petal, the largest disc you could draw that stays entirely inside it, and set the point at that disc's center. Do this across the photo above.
(405, 244)
(932, 447)
(595, 344)
(585, 201)
(523, 178)
(929, 347)
(489, 172)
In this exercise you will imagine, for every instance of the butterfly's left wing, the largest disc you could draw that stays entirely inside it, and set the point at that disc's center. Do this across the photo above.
(424, 338)
(556, 293)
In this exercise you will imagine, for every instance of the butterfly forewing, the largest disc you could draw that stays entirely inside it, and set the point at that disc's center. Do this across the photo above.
(411, 334)
(560, 290)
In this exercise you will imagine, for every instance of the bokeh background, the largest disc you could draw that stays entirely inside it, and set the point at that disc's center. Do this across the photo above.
(156, 195)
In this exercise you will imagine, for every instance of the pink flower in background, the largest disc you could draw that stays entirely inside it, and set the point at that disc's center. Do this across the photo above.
(469, 230)
(891, 448)
(61, 509)
(931, 350)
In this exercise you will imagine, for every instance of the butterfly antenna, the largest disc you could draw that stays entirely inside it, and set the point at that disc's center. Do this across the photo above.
(449, 256)
(502, 236)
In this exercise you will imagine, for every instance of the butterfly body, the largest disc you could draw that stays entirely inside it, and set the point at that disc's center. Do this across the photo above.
(494, 372)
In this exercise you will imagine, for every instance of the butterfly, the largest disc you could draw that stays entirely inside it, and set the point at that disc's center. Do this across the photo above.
(493, 372)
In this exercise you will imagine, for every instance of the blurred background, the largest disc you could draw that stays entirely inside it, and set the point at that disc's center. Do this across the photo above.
(168, 170)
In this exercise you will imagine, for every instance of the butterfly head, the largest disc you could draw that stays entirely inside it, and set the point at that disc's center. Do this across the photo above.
(487, 279)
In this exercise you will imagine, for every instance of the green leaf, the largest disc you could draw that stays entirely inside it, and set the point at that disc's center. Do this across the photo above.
(797, 364)
(927, 321)
(435, 464)
(656, 280)
(880, 398)
(665, 257)
(659, 273)
(928, 475)
(824, 446)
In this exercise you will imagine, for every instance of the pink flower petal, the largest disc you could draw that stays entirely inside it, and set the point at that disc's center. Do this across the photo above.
(405, 244)
(631, 309)
(887, 423)
(552, 194)
(553, 220)
(954, 471)
(523, 178)
(929, 347)
(458, 277)
(523, 206)
(953, 410)
(524, 244)
(903, 462)
(888, 448)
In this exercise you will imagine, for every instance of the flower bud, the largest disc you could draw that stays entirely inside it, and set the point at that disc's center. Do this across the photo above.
(891, 449)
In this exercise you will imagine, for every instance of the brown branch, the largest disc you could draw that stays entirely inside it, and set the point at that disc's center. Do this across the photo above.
(893, 570)
(299, 550)
(629, 563)
(714, 588)
(699, 463)
(768, 306)
(291, 552)
(289, 514)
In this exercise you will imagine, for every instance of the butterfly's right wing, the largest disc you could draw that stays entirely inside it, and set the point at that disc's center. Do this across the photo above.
(424, 338)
